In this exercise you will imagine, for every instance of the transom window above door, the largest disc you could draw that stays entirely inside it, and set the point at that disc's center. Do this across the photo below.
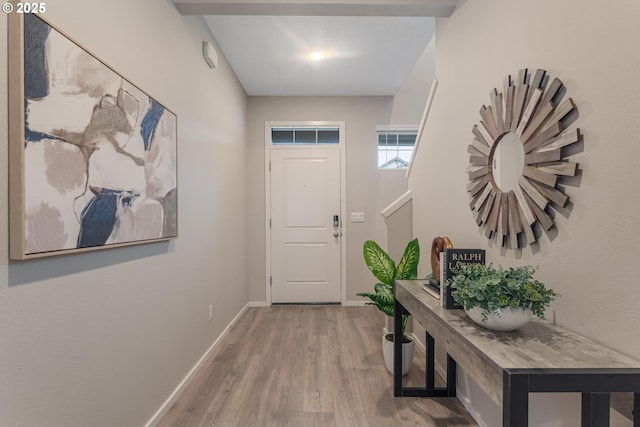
(316, 135)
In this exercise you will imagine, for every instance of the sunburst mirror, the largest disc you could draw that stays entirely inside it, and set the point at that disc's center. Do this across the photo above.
(516, 158)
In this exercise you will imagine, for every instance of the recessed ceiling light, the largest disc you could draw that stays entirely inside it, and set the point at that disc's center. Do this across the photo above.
(317, 56)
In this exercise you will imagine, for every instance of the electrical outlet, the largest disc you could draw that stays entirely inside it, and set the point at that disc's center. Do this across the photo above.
(210, 312)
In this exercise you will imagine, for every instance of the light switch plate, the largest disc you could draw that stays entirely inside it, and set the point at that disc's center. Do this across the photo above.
(357, 216)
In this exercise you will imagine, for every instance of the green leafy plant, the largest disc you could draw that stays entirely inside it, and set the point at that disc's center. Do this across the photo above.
(490, 288)
(386, 271)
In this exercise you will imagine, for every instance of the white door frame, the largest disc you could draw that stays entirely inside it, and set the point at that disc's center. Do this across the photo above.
(343, 197)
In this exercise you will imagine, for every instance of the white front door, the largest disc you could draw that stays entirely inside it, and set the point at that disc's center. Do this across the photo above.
(305, 241)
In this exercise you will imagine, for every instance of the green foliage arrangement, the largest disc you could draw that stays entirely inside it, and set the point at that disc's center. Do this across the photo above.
(386, 271)
(491, 288)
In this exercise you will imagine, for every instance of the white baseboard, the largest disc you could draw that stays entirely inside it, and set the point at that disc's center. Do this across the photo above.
(155, 419)
(419, 343)
(354, 303)
(466, 402)
(256, 304)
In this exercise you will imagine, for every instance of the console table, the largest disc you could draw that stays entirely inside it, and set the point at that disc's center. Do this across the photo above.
(539, 357)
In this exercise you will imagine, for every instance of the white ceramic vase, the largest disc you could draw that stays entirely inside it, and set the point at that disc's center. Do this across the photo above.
(407, 354)
(502, 319)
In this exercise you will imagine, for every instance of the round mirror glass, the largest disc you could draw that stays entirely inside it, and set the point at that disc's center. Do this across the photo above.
(507, 162)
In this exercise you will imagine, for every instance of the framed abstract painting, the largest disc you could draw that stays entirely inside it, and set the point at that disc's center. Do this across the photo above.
(92, 158)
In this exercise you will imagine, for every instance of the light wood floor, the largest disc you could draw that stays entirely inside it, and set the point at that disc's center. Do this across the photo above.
(304, 366)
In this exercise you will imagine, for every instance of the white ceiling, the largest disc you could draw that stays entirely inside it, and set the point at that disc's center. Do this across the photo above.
(318, 7)
(371, 45)
(365, 55)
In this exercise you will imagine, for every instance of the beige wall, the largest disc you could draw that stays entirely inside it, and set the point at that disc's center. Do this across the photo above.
(102, 339)
(409, 101)
(400, 232)
(369, 190)
(592, 48)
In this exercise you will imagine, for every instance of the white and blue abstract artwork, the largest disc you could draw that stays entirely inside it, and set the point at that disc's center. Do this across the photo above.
(96, 155)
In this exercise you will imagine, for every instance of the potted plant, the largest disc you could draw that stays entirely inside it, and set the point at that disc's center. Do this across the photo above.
(500, 299)
(386, 271)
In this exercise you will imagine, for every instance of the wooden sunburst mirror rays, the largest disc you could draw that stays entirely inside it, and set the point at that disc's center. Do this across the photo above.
(532, 111)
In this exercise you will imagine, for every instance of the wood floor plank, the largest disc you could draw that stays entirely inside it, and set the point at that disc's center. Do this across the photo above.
(299, 366)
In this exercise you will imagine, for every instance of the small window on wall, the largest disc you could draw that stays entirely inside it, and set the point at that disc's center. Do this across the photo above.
(395, 148)
(305, 135)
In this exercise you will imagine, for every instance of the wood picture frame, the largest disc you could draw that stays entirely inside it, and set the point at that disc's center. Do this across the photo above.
(92, 158)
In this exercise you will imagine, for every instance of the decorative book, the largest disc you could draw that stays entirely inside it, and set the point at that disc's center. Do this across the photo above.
(451, 258)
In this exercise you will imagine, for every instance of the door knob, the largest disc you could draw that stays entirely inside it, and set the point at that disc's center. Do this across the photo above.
(336, 234)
